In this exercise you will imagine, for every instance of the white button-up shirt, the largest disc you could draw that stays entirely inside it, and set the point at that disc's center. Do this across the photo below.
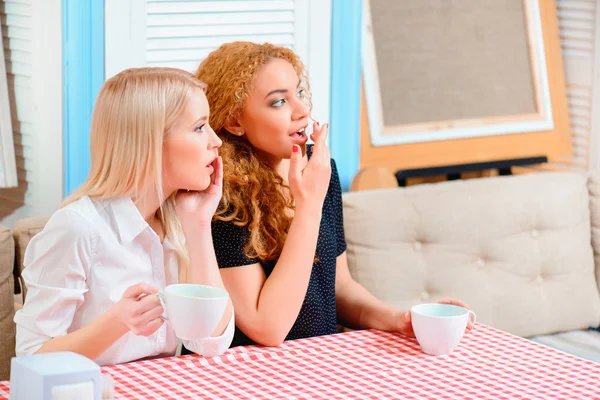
(88, 254)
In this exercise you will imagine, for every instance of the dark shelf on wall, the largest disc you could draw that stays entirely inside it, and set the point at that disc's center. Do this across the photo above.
(453, 172)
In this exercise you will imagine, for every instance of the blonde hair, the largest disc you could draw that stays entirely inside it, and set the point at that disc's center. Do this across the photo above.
(133, 112)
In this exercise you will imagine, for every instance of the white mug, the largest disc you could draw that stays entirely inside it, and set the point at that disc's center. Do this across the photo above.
(194, 311)
(440, 327)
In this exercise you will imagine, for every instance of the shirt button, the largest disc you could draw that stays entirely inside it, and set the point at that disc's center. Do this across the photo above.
(480, 262)
(539, 279)
(418, 245)
(535, 234)
(424, 296)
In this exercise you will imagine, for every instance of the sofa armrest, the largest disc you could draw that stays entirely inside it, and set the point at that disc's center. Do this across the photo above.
(373, 177)
(24, 230)
(7, 309)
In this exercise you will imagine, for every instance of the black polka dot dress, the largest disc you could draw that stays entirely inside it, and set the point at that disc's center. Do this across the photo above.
(318, 313)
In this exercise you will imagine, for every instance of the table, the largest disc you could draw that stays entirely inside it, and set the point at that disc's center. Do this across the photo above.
(364, 364)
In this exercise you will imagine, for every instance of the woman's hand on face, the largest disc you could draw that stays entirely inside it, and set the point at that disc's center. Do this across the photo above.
(198, 208)
(309, 187)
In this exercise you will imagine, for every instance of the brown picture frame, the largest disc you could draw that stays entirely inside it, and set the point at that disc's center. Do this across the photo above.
(552, 143)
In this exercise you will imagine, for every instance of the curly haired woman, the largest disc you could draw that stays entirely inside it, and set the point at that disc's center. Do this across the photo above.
(278, 232)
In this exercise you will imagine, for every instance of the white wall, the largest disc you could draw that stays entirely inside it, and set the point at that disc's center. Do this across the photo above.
(31, 32)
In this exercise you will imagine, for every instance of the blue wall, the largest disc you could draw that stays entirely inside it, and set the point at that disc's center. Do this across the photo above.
(83, 75)
(346, 87)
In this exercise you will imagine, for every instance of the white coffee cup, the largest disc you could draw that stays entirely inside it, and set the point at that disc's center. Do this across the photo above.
(194, 311)
(440, 327)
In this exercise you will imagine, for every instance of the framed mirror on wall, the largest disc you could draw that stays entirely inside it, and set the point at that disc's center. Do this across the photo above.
(461, 82)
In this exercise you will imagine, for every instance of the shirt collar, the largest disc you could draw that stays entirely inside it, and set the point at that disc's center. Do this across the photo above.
(128, 219)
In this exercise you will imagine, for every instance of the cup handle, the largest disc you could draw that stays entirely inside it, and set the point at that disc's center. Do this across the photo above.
(163, 303)
(472, 317)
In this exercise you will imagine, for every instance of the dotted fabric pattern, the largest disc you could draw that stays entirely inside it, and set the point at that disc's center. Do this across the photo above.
(318, 313)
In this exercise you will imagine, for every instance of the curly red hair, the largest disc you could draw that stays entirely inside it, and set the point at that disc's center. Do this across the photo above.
(254, 195)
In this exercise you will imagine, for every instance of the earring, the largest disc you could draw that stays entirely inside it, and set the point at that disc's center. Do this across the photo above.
(240, 133)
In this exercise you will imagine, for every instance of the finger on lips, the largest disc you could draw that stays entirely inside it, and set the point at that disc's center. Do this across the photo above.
(325, 131)
(323, 134)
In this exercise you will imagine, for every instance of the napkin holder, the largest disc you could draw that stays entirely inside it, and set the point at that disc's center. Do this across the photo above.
(54, 376)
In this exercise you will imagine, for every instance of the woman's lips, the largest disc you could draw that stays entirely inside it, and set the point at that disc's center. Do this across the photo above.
(299, 137)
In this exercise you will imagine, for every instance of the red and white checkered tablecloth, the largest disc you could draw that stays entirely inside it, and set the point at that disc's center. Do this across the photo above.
(365, 364)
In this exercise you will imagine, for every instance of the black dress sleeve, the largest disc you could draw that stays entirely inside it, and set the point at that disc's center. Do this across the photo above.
(335, 191)
(229, 241)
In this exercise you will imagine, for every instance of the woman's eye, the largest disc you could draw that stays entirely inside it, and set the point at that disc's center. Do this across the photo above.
(300, 94)
(200, 128)
(278, 103)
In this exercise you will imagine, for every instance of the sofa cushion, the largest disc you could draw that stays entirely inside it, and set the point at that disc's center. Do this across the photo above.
(7, 309)
(517, 249)
(24, 230)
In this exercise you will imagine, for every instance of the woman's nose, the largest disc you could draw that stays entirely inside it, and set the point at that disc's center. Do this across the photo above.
(215, 140)
(301, 109)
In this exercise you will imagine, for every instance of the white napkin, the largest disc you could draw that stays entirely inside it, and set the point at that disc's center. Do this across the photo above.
(84, 390)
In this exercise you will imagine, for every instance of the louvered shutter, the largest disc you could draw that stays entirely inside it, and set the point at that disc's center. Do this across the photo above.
(31, 36)
(579, 26)
(17, 32)
(181, 33)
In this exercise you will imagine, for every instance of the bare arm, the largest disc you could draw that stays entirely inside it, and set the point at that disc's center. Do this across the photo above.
(204, 269)
(92, 340)
(195, 211)
(266, 309)
(136, 312)
(359, 309)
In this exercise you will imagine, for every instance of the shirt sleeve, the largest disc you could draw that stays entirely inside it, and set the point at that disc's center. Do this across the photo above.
(335, 191)
(230, 241)
(57, 261)
(213, 346)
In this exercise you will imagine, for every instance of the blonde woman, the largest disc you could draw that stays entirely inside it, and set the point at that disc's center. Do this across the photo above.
(93, 271)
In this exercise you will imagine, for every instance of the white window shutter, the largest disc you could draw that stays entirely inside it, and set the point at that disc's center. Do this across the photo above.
(31, 36)
(181, 33)
(579, 26)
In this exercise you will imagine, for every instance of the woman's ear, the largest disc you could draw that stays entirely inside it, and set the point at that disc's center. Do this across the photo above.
(234, 127)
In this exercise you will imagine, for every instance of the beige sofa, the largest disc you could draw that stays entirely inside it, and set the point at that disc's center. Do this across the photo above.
(522, 251)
